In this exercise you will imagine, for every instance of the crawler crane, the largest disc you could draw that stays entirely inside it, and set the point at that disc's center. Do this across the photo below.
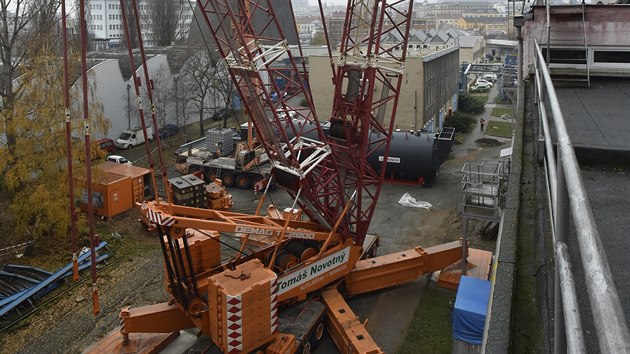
(279, 290)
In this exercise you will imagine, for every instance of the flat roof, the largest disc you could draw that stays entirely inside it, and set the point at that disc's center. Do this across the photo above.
(598, 123)
(598, 117)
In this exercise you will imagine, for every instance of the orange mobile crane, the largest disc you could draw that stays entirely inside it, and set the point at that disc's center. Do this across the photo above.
(279, 290)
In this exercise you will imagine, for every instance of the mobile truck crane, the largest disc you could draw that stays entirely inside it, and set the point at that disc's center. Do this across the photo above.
(279, 290)
(242, 169)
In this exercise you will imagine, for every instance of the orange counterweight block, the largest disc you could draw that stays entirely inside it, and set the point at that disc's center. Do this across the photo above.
(243, 307)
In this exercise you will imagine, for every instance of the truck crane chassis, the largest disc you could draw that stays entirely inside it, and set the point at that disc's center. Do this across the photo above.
(305, 306)
(297, 272)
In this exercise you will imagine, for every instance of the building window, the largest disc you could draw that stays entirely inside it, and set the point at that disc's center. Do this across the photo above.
(566, 56)
(611, 56)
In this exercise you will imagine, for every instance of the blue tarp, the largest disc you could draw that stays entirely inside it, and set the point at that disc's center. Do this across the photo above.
(469, 314)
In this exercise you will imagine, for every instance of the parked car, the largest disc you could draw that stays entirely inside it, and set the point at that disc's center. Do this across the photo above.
(281, 114)
(168, 130)
(220, 114)
(106, 144)
(484, 84)
(490, 77)
(479, 89)
(119, 159)
(482, 81)
(274, 95)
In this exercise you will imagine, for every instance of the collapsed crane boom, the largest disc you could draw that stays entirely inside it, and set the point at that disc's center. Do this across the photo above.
(367, 81)
(330, 170)
(249, 37)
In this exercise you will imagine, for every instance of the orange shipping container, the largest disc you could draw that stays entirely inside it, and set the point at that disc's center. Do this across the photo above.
(111, 194)
(140, 178)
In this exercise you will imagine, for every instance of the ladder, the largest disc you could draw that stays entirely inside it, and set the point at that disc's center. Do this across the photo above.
(562, 40)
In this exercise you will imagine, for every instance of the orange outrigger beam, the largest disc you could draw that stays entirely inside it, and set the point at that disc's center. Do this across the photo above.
(399, 268)
(349, 334)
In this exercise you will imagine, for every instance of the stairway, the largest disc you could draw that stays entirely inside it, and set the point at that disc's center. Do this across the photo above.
(568, 46)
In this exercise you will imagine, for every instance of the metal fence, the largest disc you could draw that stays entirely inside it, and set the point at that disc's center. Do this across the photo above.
(568, 199)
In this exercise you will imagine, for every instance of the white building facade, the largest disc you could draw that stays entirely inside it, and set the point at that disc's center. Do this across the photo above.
(105, 23)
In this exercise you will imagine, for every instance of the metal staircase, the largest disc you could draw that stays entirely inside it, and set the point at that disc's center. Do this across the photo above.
(567, 48)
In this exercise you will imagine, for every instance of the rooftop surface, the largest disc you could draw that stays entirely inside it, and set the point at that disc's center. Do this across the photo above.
(598, 117)
(598, 122)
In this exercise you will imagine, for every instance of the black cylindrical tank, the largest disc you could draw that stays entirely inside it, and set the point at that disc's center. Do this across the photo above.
(412, 155)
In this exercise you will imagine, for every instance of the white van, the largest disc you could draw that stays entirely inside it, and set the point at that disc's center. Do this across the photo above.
(133, 137)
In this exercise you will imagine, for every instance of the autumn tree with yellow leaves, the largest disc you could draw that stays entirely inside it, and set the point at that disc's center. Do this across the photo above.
(33, 169)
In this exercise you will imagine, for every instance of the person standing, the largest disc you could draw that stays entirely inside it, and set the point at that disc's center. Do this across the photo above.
(481, 123)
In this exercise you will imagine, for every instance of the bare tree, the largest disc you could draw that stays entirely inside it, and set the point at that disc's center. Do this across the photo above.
(182, 93)
(199, 73)
(131, 25)
(163, 94)
(166, 20)
(26, 28)
(223, 86)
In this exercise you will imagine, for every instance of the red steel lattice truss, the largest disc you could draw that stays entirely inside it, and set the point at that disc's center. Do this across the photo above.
(324, 174)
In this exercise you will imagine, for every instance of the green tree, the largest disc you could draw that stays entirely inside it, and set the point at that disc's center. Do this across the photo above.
(318, 39)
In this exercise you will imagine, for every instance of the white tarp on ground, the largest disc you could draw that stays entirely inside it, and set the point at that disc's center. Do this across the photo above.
(410, 201)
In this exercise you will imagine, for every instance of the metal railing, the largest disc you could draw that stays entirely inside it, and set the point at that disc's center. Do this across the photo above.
(567, 195)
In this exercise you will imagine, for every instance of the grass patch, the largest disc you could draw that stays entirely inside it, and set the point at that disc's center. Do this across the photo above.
(499, 99)
(431, 328)
(481, 96)
(500, 129)
(499, 111)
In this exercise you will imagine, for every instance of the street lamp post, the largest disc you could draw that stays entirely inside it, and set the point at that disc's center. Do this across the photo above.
(175, 77)
(128, 107)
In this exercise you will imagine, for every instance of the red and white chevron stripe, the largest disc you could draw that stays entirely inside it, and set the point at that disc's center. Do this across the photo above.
(157, 218)
(234, 324)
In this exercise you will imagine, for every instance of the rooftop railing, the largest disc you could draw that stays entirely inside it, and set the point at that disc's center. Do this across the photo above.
(568, 199)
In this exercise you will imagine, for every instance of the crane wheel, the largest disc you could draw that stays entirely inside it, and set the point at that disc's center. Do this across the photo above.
(229, 180)
(372, 252)
(316, 336)
(242, 181)
(306, 348)
(211, 176)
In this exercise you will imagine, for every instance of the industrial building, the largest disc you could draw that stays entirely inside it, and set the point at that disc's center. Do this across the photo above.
(429, 89)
